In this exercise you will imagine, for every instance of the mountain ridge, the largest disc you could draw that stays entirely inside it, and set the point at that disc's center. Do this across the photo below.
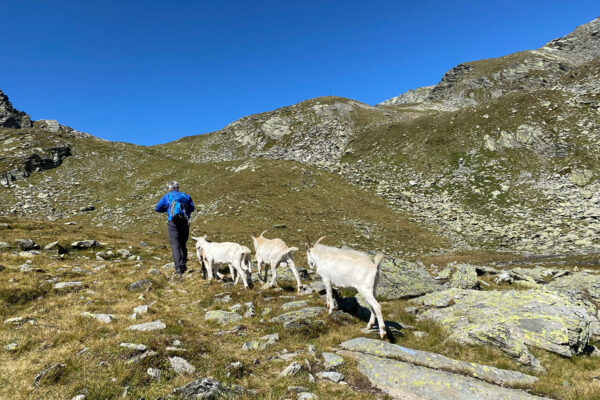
(500, 154)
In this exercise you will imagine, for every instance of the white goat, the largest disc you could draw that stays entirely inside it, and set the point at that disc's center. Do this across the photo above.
(233, 255)
(348, 268)
(274, 252)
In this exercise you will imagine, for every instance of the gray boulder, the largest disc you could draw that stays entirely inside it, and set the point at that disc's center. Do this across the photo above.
(332, 376)
(296, 315)
(105, 318)
(222, 317)
(401, 279)
(464, 277)
(68, 285)
(134, 346)
(84, 244)
(141, 284)
(27, 244)
(291, 369)
(181, 365)
(294, 304)
(582, 288)
(148, 326)
(535, 317)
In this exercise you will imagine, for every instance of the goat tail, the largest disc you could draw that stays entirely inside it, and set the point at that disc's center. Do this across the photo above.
(245, 260)
(378, 259)
(291, 250)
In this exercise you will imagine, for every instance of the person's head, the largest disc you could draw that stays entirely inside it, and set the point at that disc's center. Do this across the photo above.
(173, 185)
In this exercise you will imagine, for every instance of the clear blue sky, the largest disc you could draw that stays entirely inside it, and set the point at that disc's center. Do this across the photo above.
(149, 72)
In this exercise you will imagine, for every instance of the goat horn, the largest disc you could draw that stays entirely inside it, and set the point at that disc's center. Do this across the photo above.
(317, 242)
(264, 232)
(308, 241)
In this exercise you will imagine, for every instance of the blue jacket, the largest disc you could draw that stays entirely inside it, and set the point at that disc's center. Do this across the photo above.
(164, 203)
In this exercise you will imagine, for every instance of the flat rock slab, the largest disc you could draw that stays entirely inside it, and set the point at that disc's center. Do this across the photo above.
(294, 304)
(222, 317)
(534, 317)
(332, 361)
(405, 381)
(67, 285)
(296, 315)
(181, 365)
(84, 244)
(141, 284)
(134, 346)
(401, 279)
(437, 361)
(148, 326)
(331, 376)
(106, 318)
(17, 321)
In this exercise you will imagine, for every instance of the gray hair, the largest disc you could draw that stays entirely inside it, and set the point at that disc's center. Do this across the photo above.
(173, 185)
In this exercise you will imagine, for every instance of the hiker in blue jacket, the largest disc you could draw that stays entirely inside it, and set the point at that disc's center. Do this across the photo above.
(179, 207)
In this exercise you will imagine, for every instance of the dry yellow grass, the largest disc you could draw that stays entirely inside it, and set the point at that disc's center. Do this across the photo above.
(60, 332)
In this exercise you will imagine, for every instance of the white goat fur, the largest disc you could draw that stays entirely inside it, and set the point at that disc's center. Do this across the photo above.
(348, 268)
(233, 255)
(273, 252)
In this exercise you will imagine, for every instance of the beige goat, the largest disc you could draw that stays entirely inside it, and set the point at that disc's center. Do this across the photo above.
(273, 252)
(233, 255)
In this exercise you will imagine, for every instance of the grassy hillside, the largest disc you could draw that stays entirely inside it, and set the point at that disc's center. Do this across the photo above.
(124, 182)
(95, 364)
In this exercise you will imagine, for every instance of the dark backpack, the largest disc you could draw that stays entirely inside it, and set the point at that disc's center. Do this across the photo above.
(177, 206)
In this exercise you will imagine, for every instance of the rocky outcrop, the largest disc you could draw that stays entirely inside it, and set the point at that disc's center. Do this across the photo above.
(10, 117)
(401, 279)
(427, 359)
(51, 158)
(511, 320)
(582, 45)
(472, 83)
(402, 380)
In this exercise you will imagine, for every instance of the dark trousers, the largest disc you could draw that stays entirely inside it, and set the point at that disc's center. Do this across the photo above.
(179, 232)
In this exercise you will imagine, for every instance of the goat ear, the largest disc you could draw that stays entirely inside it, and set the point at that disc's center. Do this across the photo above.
(195, 238)
(253, 235)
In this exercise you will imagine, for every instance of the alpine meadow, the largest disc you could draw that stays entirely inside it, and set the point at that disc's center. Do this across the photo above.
(482, 192)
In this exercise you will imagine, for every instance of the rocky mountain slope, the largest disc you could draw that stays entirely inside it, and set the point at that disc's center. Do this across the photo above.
(11, 117)
(53, 172)
(502, 153)
(501, 156)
